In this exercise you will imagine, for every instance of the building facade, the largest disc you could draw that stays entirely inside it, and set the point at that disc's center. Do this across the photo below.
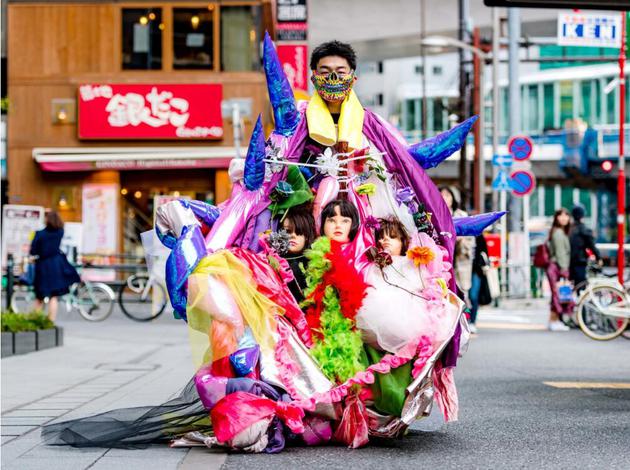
(131, 101)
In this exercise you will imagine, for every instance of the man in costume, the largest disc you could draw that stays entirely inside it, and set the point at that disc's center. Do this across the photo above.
(257, 376)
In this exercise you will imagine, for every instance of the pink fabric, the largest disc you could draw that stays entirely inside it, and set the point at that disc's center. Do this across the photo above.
(445, 392)
(239, 410)
(270, 285)
(288, 369)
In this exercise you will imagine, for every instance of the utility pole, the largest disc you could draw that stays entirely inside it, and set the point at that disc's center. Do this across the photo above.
(423, 53)
(464, 36)
(621, 178)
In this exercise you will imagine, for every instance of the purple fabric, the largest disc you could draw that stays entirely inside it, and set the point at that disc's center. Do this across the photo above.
(255, 387)
(263, 223)
(451, 351)
(244, 361)
(399, 162)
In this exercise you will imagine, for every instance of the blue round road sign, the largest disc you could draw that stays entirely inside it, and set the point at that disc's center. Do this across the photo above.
(522, 182)
(520, 147)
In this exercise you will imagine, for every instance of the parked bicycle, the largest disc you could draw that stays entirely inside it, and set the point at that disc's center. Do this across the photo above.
(603, 310)
(93, 300)
(143, 297)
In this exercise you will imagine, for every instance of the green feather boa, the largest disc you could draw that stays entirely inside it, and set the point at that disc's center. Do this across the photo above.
(339, 350)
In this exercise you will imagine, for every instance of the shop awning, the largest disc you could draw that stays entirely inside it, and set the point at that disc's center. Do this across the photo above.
(131, 158)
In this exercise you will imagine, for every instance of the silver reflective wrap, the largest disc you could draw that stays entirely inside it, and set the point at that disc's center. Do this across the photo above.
(308, 381)
(172, 217)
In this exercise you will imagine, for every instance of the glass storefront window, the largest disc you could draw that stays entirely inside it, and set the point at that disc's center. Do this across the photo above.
(142, 38)
(566, 197)
(409, 115)
(549, 106)
(193, 41)
(241, 28)
(597, 112)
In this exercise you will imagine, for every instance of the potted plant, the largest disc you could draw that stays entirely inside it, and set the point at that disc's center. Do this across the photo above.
(23, 333)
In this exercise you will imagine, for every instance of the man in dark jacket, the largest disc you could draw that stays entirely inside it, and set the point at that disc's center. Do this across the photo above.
(581, 240)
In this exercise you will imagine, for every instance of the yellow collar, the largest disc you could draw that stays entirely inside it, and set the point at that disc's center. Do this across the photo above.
(321, 127)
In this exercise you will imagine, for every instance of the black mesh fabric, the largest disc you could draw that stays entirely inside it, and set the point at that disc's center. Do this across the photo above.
(138, 427)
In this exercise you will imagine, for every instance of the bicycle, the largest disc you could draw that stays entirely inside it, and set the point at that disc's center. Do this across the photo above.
(603, 310)
(140, 291)
(93, 301)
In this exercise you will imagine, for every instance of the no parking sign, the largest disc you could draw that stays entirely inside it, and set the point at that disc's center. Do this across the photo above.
(522, 182)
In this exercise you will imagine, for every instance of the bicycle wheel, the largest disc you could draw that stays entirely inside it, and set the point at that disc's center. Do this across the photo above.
(142, 298)
(595, 313)
(94, 301)
(22, 300)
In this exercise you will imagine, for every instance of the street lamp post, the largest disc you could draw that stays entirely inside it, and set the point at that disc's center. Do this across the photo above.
(445, 41)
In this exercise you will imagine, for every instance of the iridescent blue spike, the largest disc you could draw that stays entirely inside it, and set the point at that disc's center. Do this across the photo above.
(431, 152)
(285, 112)
(254, 173)
(474, 225)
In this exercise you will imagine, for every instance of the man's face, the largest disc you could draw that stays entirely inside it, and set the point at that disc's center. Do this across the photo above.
(333, 63)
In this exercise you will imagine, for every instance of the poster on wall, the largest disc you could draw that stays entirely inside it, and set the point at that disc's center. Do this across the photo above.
(150, 111)
(72, 240)
(294, 60)
(100, 226)
(18, 225)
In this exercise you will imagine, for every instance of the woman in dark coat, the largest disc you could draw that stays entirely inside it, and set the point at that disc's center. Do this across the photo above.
(53, 273)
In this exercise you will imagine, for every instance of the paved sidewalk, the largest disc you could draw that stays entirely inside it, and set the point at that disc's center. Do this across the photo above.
(102, 366)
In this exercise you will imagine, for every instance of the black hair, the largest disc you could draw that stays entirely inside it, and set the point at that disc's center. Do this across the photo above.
(455, 201)
(346, 209)
(331, 48)
(393, 228)
(301, 221)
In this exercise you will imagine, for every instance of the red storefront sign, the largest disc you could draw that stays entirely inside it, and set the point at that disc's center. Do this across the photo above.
(149, 112)
(294, 59)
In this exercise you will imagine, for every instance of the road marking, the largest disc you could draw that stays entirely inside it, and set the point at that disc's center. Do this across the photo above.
(509, 326)
(616, 385)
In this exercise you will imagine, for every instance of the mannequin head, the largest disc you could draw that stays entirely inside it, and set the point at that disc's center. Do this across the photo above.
(340, 221)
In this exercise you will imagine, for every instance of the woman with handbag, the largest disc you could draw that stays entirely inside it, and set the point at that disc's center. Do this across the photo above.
(558, 268)
(53, 272)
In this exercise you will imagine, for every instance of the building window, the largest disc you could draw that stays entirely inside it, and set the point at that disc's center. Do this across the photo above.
(419, 69)
(549, 106)
(566, 101)
(531, 104)
(142, 38)
(379, 99)
(586, 103)
(193, 38)
(240, 38)
(380, 67)
(437, 70)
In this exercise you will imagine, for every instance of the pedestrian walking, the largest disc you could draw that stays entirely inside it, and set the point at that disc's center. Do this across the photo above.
(479, 292)
(558, 269)
(464, 246)
(581, 238)
(53, 273)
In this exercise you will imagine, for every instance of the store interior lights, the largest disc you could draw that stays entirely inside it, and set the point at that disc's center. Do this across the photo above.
(144, 20)
(137, 194)
(124, 191)
(194, 21)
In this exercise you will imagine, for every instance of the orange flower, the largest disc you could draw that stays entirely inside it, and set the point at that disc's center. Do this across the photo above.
(420, 255)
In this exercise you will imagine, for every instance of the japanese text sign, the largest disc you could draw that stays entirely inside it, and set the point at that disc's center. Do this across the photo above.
(160, 111)
(294, 59)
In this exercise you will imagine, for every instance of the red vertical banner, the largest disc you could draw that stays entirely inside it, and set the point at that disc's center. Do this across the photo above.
(292, 34)
(294, 59)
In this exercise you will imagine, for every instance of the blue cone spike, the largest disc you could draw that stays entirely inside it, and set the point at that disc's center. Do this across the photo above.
(474, 225)
(254, 173)
(431, 152)
(285, 111)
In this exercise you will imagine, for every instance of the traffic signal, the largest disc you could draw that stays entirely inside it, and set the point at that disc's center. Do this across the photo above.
(607, 166)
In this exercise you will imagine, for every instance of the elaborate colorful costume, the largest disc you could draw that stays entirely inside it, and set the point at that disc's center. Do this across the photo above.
(270, 372)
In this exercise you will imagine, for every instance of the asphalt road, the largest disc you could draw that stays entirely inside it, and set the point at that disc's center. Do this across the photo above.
(508, 417)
